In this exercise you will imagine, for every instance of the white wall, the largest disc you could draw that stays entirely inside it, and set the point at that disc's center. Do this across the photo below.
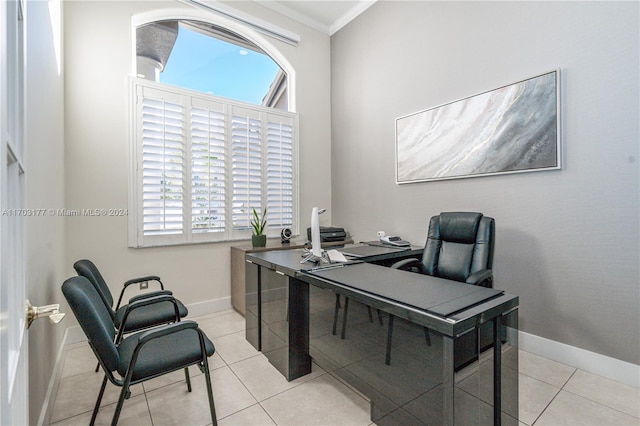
(98, 63)
(568, 240)
(44, 164)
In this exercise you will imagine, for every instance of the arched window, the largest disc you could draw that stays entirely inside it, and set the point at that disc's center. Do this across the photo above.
(210, 59)
(212, 137)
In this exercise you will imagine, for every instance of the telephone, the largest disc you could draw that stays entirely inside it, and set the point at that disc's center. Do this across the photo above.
(394, 241)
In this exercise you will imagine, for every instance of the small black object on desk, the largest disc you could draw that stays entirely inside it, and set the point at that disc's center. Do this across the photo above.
(285, 235)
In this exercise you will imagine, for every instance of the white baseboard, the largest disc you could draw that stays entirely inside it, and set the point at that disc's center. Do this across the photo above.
(209, 307)
(602, 365)
(73, 335)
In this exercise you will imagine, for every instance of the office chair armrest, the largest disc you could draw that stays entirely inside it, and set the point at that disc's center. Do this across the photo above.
(483, 277)
(150, 294)
(408, 264)
(137, 281)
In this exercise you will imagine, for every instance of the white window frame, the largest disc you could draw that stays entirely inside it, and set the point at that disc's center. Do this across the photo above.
(137, 236)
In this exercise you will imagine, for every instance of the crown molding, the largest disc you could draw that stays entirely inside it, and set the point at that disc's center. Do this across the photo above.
(351, 14)
(331, 29)
(295, 15)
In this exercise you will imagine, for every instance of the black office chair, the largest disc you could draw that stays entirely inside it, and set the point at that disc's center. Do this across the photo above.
(141, 356)
(459, 247)
(139, 319)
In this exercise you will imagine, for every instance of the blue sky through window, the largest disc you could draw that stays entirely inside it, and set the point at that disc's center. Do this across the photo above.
(207, 64)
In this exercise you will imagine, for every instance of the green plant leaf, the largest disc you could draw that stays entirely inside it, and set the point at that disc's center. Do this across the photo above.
(257, 223)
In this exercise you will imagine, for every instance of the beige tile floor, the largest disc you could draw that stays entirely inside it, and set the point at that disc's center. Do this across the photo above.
(249, 391)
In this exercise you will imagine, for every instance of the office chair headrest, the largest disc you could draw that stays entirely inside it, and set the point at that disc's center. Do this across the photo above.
(459, 227)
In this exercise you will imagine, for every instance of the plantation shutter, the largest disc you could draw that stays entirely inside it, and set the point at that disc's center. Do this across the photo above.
(246, 169)
(279, 169)
(163, 147)
(208, 159)
(201, 164)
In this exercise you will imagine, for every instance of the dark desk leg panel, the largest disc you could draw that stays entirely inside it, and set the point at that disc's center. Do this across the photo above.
(422, 385)
(285, 323)
(253, 308)
(299, 358)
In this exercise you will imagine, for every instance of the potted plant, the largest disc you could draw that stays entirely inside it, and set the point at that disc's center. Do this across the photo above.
(259, 239)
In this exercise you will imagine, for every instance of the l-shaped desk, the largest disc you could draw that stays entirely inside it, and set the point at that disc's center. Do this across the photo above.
(290, 313)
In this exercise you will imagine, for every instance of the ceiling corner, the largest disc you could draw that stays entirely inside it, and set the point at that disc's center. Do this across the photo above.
(326, 16)
(351, 14)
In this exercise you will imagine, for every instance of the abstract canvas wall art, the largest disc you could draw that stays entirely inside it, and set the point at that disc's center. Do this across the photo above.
(511, 129)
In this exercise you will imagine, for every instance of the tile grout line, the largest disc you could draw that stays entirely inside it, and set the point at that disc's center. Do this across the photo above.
(243, 384)
(554, 396)
(597, 402)
(258, 402)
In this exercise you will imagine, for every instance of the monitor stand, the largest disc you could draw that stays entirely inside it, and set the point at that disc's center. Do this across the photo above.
(310, 257)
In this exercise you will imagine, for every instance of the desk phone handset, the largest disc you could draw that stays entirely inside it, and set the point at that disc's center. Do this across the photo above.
(394, 241)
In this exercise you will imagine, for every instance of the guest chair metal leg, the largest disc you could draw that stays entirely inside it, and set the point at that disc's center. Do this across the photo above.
(123, 396)
(204, 367)
(186, 376)
(212, 407)
(97, 407)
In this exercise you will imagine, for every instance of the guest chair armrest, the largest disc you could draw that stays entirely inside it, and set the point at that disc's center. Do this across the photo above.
(174, 356)
(483, 277)
(150, 294)
(154, 333)
(147, 336)
(143, 279)
(146, 302)
(137, 281)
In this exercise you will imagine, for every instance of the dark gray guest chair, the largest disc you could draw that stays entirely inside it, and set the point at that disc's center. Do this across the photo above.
(141, 356)
(144, 316)
(459, 247)
(141, 318)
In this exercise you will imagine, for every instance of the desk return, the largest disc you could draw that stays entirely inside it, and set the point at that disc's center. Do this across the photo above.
(290, 313)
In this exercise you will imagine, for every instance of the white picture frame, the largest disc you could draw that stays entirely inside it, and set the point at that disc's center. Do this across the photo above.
(511, 129)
